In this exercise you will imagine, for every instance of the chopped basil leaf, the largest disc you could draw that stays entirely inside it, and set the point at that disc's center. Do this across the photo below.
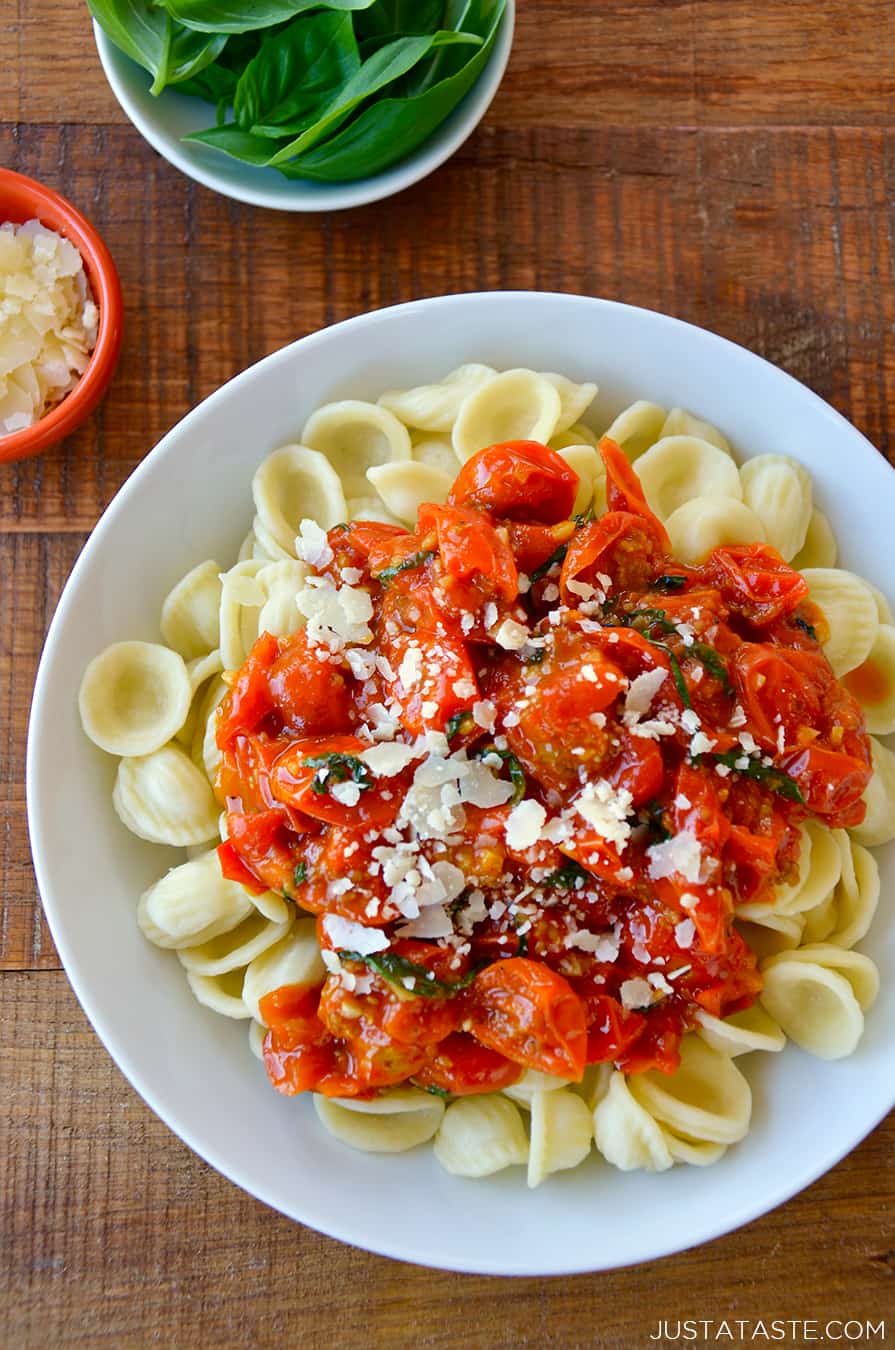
(654, 812)
(407, 565)
(775, 779)
(514, 768)
(396, 969)
(677, 674)
(568, 876)
(806, 627)
(337, 768)
(585, 517)
(461, 724)
(437, 1091)
(522, 945)
(669, 582)
(713, 663)
(301, 873)
(557, 556)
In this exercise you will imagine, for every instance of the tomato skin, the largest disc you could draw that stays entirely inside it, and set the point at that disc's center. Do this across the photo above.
(461, 1066)
(364, 544)
(638, 768)
(624, 492)
(265, 844)
(612, 1029)
(624, 546)
(470, 548)
(531, 1015)
(293, 782)
(532, 545)
(298, 1050)
(832, 784)
(517, 480)
(312, 698)
(755, 581)
(250, 701)
(234, 869)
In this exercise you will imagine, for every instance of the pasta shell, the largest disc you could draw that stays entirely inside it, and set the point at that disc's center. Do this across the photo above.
(819, 548)
(234, 950)
(190, 620)
(586, 462)
(873, 683)
(778, 490)
(579, 434)
(265, 547)
(200, 671)
(626, 1134)
(575, 399)
(850, 613)
(819, 872)
(767, 934)
(884, 609)
(242, 599)
(481, 1135)
(637, 428)
(281, 583)
(679, 468)
(594, 1085)
(192, 904)
(295, 959)
(438, 453)
(517, 405)
(820, 921)
(706, 1098)
(257, 1032)
(679, 422)
(741, 1032)
(696, 1152)
(134, 697)
(220, 993)
(204, 750)
(294, 483)
(856, 897)
(246, 547)
(531, 1082)
(404, 487)
(814, 1000)
(878, 825)
(707, 523)
(434, 407)
(561, 1134)
(164, 798)
(390, 1123)
(370, 508)
(355, 436)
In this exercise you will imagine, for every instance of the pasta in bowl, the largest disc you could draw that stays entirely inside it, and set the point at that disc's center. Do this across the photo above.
(495, 841)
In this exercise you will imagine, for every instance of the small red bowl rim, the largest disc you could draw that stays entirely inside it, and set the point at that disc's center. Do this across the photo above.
(102, 274)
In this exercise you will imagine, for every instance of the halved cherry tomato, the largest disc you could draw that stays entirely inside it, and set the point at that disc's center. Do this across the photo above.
(625, 493)
(832, 784)
(471, 548)
(250, 701)
(267, 846)
(463, 1067)
(612, 1029)
(638, 768)
(531, 1015)
(623, 546)
(774, 695)
(517, 480)
(754, 579)
(658, 1045)
(304, 775)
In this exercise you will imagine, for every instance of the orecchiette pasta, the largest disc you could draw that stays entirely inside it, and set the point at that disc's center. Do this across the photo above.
(392, 1123)
(850, 613)
(164, 798)
(355, 437)
(778, 490)
(517, 405)
(678, 468)
(134, 697)
(818, 996)
(481, 1135)
(157, 708)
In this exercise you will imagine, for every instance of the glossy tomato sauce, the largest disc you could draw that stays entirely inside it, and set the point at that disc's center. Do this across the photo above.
(527, 792)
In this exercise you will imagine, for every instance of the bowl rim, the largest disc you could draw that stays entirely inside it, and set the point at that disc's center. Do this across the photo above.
(709, 1226)
(326, 196)
(57, 213)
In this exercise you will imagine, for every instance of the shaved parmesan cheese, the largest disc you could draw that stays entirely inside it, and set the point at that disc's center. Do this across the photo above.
(684, 933)
(643, 689)
(335, 616)
(681, 855)
(606, 808)
(48, 322)
(434, 922)
(346, 935)
(524, 824)
(636, 993)
(388, 758)
(511, 636)
(312, 545)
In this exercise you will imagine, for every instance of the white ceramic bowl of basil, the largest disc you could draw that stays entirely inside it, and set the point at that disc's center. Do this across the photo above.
(350, 82)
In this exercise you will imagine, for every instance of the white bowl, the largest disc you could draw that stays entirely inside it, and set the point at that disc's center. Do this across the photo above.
(166, 119)
(190, 499)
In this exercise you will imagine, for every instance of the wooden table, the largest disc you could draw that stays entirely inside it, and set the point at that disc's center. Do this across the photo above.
(731, 164)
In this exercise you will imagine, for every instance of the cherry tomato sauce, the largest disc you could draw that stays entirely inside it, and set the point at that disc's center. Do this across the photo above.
(668, 728)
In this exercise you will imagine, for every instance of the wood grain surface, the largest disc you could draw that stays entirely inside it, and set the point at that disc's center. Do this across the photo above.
(731, 164)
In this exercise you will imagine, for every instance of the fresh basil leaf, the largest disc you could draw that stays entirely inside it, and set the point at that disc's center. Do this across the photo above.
(242, 145)
(385, 66)
(461, 724)
(392, 128)
(301, 873)
(669, 582)
(149, 36)
(713, 662)
(396, 969)
(436, 1091)
(235, 16)
(296, 69)
(216, 84)
(392, 18)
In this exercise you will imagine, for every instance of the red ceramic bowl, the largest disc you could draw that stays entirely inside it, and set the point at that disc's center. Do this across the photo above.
(23, 199)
